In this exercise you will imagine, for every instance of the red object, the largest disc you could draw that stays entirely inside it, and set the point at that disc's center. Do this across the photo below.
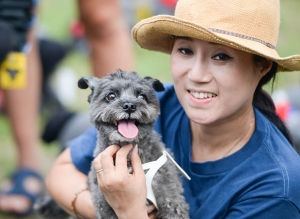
(283, 110)
(77, 29)
(169, 3)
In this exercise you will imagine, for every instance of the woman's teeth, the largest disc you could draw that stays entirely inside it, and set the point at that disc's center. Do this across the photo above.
(202, 95)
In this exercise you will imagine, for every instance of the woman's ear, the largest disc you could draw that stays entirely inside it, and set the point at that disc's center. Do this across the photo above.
(264, 67)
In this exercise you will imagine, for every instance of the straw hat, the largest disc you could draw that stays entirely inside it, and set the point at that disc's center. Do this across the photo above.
(248, 25)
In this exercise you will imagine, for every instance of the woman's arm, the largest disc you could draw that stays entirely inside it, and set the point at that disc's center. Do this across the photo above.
(64, 181)
(126, 193)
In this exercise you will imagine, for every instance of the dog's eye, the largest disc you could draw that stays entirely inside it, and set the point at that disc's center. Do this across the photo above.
(110, 96)
(142, 96)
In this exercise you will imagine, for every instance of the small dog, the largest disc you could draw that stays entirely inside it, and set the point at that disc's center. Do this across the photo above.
(123, 108)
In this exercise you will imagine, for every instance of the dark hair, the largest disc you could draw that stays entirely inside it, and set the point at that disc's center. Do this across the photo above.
(263, 101)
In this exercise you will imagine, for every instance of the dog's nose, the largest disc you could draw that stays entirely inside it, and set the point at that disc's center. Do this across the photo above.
(129, 107)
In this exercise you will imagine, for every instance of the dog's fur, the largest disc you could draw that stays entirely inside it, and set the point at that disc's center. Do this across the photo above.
(126, 96)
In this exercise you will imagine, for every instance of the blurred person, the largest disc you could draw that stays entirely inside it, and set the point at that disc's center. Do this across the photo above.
(21, 105)
(107, 35)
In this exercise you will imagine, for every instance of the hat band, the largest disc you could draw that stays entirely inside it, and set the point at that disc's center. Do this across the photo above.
(242, 36)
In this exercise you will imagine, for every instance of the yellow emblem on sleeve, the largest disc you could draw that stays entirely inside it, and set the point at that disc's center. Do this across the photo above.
(13, 71)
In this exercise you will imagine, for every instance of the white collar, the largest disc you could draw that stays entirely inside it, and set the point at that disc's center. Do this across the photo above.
(152, 168)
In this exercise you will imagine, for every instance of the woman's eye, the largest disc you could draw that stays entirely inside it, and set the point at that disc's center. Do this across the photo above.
(110, 97)
(185, 51)
(221, 57)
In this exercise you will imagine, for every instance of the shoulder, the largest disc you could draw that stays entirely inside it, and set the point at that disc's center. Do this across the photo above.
(279, 161)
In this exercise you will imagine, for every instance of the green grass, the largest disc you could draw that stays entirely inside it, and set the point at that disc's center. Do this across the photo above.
(7, 151)
(55, 17)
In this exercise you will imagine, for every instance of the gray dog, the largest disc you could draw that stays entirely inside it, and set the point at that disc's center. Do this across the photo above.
(123, 109)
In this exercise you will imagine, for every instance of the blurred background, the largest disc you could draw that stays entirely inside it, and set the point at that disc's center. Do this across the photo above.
(57, 23)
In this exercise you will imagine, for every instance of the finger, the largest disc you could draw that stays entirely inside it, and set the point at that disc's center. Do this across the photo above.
(97, 162)
(106, 158)
(121, 157)
(136, 162)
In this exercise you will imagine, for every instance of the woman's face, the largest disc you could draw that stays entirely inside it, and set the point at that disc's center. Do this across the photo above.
(214, 83)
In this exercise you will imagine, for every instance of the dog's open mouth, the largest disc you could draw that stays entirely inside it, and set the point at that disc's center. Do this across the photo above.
(127, 128)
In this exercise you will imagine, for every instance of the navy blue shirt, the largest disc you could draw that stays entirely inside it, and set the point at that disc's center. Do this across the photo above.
(262, 180)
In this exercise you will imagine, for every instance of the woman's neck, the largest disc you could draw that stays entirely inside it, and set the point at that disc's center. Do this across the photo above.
(214, 142)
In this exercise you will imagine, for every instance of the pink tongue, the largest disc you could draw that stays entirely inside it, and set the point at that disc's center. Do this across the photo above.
(127, 128)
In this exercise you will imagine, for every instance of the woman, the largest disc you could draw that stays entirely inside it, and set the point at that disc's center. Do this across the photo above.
(216, 118)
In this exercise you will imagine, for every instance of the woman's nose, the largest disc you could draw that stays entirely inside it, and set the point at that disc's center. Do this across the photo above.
(200, 72)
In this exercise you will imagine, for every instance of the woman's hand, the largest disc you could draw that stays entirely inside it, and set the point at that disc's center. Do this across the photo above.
(124, 192)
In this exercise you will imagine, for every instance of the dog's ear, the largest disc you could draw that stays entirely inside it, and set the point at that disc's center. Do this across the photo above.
(156, 84)
(85, 82)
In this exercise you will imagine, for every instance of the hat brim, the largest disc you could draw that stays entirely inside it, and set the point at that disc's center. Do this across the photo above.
(157, 33)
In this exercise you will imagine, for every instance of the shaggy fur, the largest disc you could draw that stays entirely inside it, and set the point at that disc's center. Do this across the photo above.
(126, 96)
